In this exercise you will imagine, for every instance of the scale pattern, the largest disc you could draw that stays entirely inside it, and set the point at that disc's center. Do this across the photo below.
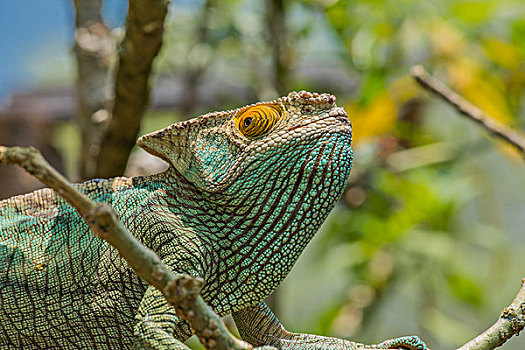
(245, 192)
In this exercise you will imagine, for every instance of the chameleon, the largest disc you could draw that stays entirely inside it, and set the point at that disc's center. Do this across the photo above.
(244, 193)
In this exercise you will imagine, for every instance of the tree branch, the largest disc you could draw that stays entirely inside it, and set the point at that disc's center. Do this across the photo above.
(93, 49)
(142, 42)
(511, 322)
(279, 40)
(181, 291)
(468, 109)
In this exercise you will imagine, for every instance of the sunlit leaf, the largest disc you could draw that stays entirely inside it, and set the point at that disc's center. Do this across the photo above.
(404, 89)
(473, 11)
(503, 53)
(445, 38)
(376, 118)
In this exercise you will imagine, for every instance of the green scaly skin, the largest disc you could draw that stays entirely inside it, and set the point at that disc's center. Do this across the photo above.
(236, 207)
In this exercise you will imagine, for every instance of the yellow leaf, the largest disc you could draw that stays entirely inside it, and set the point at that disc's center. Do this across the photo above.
(403, 89)
(502, 53)
(446, 40)
(378, 117)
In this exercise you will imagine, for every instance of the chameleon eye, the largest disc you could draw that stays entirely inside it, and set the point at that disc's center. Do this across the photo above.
(258, 120)
(247, 122)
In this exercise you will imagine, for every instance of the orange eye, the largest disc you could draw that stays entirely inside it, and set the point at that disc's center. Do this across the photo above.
(258, 120)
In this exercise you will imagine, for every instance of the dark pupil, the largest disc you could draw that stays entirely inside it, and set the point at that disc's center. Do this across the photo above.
(247, 122)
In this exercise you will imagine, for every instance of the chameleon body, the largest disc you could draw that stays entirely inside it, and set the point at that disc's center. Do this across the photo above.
(245, 192)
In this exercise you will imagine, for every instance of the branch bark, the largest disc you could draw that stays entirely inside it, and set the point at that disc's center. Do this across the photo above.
(141, 44)
(181, 291)
(468, 109)
(511, 322)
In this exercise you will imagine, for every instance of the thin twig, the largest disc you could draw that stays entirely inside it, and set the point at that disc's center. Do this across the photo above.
(181, 291)
(511, 322)
(468, 109)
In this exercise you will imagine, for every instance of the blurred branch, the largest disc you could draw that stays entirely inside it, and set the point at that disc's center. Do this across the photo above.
(281, 49)
(468, 109)
(142, 42)
(511, 322)
(93, 49)
(181, 291)
(420, 156)
(197, 68)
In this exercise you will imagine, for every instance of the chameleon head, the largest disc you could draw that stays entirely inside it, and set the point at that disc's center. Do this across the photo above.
(222, 152)
(273, 171)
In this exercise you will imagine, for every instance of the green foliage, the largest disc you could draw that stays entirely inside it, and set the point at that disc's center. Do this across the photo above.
(465, 289)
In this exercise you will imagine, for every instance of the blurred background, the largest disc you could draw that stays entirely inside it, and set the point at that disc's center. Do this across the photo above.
(428, 238)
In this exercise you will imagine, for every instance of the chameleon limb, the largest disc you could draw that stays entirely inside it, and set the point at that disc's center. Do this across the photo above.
(259, 326)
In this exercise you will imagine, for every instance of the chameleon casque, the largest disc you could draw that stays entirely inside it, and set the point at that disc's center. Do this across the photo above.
(245, 192)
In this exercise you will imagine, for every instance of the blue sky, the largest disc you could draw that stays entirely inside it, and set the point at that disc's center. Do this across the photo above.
(39, 27)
